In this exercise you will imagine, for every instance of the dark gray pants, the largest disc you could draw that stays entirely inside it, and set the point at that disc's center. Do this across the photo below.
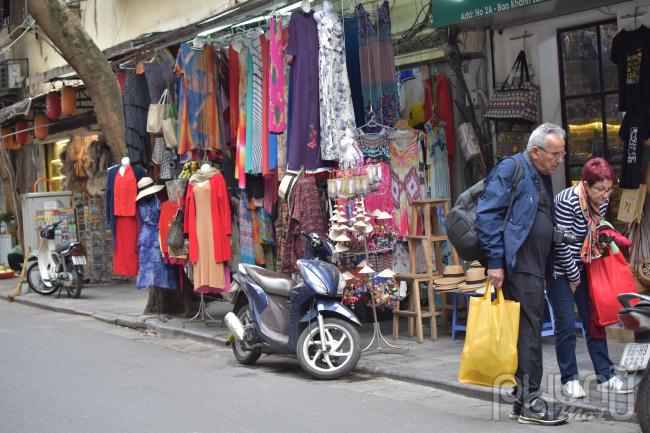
(528, 290)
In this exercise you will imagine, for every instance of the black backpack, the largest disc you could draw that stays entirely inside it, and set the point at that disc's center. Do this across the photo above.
(461, 221)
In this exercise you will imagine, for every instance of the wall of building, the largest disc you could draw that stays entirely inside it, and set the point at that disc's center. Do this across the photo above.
(542, 54)
(111, 23)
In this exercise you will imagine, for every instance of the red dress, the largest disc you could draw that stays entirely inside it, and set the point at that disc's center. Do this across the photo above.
(125, 251)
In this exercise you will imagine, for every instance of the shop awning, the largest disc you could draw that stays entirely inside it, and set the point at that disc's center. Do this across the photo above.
(20, 108)
(498, 14)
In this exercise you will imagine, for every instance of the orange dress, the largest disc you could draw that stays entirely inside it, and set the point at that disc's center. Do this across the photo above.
(208, 274)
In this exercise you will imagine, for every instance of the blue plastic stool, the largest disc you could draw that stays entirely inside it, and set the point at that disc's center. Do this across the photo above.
(455, 326)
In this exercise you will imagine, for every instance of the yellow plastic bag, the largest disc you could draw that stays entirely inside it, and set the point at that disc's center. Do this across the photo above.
(490, 351)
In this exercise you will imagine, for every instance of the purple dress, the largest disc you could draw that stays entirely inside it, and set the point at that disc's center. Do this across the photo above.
(303, 147)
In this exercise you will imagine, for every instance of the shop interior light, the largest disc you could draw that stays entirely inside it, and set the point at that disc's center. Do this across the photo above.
(252, 20)
(282, 11)
(221, 15)
(208, 32)
(593, 125)
(62, 142)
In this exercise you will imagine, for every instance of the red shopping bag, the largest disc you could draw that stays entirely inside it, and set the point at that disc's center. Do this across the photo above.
(608, 276)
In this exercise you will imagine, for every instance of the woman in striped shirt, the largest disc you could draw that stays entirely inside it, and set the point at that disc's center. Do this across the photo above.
(578, 210)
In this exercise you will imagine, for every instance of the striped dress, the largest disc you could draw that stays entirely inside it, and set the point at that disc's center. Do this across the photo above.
(254, 151)
(569, 217)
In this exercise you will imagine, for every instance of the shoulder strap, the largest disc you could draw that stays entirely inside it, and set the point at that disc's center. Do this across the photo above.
(516, 177)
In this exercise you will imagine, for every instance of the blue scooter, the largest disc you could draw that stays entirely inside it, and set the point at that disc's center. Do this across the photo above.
(275, 314)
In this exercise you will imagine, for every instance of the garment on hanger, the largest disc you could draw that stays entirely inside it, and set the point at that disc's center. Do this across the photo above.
(446, 113)
(351, 26)
(136, 101)
(198, 116)
(168, 211)
(631, 54)
(276, 77)
(153, 272)
(377, 59)
(305, 216)
(266, 162)
(336, 110)
(439, 173)
(160, 77)
(303, 147)
(255, 104)
(121, 191)
(382, 197)
(240, 157)
(405, 175)
(374, 146)
(246, 250)
(233, 92)
(208, 223)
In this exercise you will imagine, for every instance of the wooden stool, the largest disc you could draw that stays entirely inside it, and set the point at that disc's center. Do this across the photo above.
(414, 311)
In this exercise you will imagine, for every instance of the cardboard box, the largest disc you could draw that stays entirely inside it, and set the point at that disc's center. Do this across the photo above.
(631, 205)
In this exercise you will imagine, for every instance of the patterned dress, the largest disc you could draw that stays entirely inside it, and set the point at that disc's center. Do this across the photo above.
(277, 102)
(377, 59)
(404, 176)
(198, 116)
(336, 110)
(153, 271)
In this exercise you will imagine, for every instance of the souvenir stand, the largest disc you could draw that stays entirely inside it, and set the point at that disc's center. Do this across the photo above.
(357, 236)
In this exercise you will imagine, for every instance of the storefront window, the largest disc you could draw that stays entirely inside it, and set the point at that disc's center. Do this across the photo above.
(55, 178)
(589, 86)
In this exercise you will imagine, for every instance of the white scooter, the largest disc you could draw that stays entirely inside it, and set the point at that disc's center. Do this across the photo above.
(56, 266)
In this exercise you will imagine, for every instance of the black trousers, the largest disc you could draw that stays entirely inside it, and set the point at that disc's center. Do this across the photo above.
(528, 290)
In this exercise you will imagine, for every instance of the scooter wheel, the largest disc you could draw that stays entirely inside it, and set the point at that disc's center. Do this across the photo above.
(35, 282)
(246, 357)
(77, 284)
(341, 354)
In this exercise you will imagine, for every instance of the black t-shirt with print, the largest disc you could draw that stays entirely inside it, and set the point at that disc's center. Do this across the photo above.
(631, 53)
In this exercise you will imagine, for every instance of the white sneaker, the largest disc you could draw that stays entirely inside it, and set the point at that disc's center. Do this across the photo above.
(573, 389)
(615, 385)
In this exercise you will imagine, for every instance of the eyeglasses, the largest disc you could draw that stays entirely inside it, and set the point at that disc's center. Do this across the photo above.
(554, 155)
(602, 189)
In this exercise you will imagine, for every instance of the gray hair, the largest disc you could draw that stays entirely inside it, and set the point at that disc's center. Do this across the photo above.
(538, 136)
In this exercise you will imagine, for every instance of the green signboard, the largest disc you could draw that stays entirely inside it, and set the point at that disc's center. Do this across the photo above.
(446, 12)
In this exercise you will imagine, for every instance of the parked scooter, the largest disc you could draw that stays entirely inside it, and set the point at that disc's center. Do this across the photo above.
(275, 314)
(635, 355)
(56, 266)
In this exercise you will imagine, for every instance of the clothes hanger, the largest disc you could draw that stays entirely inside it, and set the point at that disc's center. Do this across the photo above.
(372, 122)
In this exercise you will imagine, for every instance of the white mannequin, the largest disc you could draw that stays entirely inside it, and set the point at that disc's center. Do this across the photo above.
(327, 6)
(206, 167)
(125, 162)
(305, 5)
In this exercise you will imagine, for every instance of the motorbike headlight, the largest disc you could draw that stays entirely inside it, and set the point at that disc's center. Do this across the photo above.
(315, 282)
(342, 284)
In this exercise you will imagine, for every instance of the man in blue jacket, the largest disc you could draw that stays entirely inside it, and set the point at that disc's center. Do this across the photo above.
(518, 258)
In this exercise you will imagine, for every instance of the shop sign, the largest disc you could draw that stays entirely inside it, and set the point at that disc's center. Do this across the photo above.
(447, 12)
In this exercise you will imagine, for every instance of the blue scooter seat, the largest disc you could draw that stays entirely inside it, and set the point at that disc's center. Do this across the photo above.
(273, 283)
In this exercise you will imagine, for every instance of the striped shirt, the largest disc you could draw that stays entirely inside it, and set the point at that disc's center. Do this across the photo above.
(569, 217)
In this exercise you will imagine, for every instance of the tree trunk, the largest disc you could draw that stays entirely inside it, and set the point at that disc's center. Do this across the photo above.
(66, 32)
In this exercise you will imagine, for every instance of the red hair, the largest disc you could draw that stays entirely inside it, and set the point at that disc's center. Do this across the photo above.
(597, 170)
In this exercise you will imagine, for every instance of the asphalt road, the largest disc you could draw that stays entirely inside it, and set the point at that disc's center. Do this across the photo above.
(64, 373)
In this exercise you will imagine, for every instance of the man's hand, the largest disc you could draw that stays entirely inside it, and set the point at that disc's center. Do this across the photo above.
(574, 285)
(496, 277)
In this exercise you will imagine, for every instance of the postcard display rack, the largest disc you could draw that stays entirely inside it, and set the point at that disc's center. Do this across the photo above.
(364, 243)
(93, 235)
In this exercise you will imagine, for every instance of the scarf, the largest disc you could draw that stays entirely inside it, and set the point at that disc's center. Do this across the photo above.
(203, 175)
(591, 212)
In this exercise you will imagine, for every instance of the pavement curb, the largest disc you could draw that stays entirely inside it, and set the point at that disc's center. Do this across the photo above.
(165, 329)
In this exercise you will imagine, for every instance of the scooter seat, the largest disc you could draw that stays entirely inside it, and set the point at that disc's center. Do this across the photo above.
(59, 248)
(273, 283)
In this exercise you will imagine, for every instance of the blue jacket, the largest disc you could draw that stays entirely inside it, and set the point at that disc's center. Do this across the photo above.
(109, 197)
(501, 248)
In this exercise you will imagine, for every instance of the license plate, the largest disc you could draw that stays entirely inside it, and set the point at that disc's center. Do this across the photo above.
(635, 356)
(78, 260)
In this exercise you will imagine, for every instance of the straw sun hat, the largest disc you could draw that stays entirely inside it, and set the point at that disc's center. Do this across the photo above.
(146, 187)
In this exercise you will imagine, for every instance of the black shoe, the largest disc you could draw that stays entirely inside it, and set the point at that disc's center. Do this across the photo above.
(516, 410)
(540, 412)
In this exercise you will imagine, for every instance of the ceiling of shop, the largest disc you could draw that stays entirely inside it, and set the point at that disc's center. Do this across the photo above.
(542, 11)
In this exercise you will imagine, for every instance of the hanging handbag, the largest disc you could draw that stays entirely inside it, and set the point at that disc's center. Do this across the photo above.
(516, 100)
(175, 237)
(169, 127)
(490, 351)
(156, 115)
